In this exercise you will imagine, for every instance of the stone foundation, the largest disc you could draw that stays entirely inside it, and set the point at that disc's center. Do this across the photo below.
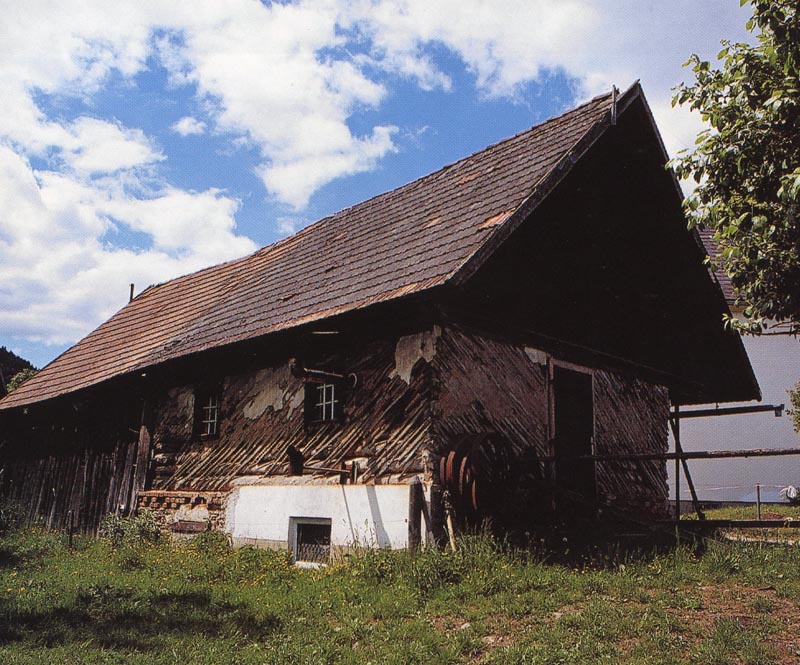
(186, 512)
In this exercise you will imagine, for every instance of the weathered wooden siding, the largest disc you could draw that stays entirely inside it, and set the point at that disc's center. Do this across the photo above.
(385, 421)
(631, 417)
(416, 393)
(49, 471)
(489, 385)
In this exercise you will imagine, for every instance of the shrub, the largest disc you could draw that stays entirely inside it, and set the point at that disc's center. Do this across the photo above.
(142, 528)
(19, 378)
(373, 564)
(211, 542)
(10, 517)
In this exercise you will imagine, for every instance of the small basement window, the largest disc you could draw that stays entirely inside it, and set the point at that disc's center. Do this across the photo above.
(207, 413)
(311, 539)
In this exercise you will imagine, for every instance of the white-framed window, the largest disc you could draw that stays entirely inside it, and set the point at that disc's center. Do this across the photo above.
(310, 539)
(207, 412)
(323, 402)
(326, 405)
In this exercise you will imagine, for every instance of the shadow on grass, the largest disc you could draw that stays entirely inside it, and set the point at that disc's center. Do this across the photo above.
(606, 545)
(118, 618)
(8, 558)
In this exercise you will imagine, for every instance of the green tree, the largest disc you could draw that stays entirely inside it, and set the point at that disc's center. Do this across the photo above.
(747, 165)
(19, 378)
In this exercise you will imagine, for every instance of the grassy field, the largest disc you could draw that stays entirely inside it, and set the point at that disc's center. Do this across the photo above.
(124, 599)
(769, 511)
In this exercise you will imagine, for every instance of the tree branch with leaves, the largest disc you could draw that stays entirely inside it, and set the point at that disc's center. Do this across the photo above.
(747, 164)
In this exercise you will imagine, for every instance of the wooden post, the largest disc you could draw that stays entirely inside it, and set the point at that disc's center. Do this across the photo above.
(437, 515)
(416, 500)
(140, 469)
(680, 455)
(758, 502)
(448, 510)
(676, 431)
(451, 532)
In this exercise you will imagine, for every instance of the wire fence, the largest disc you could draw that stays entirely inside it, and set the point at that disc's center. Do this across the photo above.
(748, 492)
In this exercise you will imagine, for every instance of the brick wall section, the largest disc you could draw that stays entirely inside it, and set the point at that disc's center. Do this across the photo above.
(206, 508)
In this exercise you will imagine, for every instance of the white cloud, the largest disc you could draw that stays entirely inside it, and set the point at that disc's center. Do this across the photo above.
(97, 146)
(189, 126)
(504, 42)
(508, 43)
(286, 226)
(296, 177)
(258, 68)
(262, 68)
(287, 77)
(284, 79)
(60, 276)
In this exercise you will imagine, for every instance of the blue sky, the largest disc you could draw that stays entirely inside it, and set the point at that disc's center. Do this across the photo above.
(140, 141)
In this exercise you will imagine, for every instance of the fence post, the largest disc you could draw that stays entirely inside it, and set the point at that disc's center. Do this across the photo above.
(758, 502)
(676, 433)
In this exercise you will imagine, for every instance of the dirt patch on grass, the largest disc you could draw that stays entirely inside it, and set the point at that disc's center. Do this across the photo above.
(762, 611)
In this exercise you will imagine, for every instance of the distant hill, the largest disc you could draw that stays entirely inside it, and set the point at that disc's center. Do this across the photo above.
(10, 364)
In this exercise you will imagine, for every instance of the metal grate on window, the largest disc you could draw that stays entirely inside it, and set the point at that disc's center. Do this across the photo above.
(313, 542)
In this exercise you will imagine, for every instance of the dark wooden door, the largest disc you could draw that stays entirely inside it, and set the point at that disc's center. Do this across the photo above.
(574, 428)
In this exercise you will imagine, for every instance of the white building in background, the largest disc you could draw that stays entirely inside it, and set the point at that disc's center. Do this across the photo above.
(776, 362)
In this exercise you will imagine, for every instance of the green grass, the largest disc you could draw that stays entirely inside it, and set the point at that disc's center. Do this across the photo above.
(769, 512)
(748, 512)
(128, 600)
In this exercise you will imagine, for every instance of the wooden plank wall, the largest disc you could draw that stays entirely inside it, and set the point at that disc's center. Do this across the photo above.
(485, 386)
(631, 417)
(464, 383)
(46, 472)
(488, 385)
(88, 454)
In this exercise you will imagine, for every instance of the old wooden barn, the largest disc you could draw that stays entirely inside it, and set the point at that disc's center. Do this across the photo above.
(452, 345)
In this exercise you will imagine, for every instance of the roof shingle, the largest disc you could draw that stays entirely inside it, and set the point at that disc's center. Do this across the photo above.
(712, 249)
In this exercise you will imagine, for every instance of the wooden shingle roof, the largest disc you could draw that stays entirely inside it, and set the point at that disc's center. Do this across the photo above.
(712, 249)
(417, 237)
